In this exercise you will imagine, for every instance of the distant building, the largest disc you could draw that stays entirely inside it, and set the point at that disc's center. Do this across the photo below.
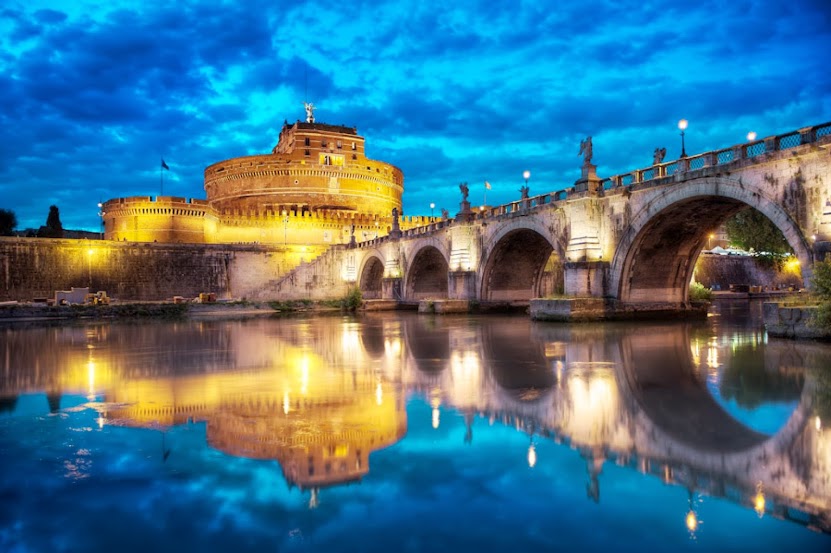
(315, 188)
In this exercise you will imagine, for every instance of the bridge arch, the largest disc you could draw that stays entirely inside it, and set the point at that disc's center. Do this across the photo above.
(371, 276)
(522, 263)
(427, 274)
(655, 259)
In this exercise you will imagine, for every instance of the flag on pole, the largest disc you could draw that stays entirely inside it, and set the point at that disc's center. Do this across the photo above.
(164, 165)
(487, 185)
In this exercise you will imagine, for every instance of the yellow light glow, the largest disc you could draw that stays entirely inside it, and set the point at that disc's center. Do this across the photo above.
(89, 252)
(759, 501)
(392, 348)
(682, 124)
(304, 375)
(91, 379)
(691, 521)
(532, 456)
(791, 266)
(818, 423)
(435, 418)
(712, 357)
(286, 403)
(379, 394)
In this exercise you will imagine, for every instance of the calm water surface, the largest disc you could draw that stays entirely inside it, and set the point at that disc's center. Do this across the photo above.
(400, 432)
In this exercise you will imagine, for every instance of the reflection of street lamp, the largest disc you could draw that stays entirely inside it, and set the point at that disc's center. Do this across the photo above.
(101, 214)
(432, 207)
(285, 226)
(682, 124)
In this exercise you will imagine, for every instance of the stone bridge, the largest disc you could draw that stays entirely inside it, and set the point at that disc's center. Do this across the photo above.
(631, 239)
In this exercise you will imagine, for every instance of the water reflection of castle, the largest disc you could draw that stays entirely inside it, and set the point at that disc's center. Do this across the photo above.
(320, 397)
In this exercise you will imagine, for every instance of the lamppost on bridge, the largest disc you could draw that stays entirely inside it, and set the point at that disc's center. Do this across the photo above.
(751, 136)
(682, 125)
(432, 207)
(526, 175)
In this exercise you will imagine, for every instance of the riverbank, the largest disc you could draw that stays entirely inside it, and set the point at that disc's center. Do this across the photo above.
(34, 312)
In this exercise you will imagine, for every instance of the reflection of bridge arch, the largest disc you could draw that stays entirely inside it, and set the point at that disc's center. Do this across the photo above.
(655, 259)
(516, 363)
(427, 345)
(427, 275)
(517, 266)
(371, 277)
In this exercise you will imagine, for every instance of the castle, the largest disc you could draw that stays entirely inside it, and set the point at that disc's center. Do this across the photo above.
(315, 189)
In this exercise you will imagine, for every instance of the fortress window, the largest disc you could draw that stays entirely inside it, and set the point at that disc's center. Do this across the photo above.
(354, 156)
(354, 146)
(340, 144)
(308, 142)
(308, 152)
(322, 143)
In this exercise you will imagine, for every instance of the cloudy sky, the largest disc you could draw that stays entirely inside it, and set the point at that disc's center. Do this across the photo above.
(94, 93)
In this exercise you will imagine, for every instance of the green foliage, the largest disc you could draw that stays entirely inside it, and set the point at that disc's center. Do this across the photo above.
(750, 230)
(822, 278)
(290, 305)
(53, 228)
(8, 221)
(699, 292)
(353, 299)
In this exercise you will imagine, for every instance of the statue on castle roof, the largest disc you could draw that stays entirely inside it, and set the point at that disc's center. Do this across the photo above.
(463, 188)
(310, 112)
(586, 150)
(658, 156)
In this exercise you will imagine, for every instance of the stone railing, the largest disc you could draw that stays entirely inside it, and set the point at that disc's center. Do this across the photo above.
(747, 151)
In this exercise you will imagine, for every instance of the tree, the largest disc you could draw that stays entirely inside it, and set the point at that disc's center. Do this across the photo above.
(8, 221)
(53, 228)
(750, 230)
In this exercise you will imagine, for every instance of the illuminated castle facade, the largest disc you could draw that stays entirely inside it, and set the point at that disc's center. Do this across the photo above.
(315, 189)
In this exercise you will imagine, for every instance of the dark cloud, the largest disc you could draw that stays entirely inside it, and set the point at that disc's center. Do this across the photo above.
(92, 99)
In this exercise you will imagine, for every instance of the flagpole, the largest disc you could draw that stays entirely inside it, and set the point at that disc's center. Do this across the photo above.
(485, 195)
(161, 177)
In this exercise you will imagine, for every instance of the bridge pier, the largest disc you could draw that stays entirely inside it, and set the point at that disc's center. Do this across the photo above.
(461, 285)
(586, 278)
(391, 288)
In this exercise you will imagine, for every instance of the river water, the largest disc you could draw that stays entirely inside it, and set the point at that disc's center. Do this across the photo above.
(405, 432)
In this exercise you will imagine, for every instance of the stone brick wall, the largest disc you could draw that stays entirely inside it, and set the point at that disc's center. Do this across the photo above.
(36, 268)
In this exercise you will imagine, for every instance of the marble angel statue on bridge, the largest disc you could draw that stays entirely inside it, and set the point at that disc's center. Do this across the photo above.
(586, 150)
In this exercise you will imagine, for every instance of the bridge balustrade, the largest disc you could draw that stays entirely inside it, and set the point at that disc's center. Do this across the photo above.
(707, 159)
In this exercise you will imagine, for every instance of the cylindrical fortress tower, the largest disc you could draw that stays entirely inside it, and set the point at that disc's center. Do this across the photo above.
(313, 168)
(315, 188)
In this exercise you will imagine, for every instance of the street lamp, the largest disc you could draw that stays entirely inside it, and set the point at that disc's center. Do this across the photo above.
(526, 175)
(285, 226)
(101, 214)
(432, 207)
(682, 124)
(751, 136)
(710, 241)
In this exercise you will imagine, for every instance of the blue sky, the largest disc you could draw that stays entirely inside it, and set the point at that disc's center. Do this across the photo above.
(94, 93)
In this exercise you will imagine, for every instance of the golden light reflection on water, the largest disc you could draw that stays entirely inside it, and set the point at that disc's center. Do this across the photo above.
(319, 399)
